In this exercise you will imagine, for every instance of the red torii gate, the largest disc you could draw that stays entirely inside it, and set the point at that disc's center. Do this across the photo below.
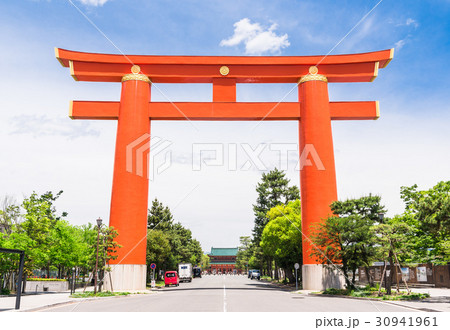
(135, 111)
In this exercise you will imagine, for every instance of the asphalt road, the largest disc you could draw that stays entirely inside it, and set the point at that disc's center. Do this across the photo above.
(227, 293)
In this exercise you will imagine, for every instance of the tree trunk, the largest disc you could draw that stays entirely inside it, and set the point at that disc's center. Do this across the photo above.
(276, 271)
(100, 283)
(353, 275)
(369, 277)
(391, 273)
(344, 268)
(290, 276)
(269, 267)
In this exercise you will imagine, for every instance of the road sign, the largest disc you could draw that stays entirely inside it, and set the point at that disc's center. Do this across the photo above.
(153, 266)
(296, 266)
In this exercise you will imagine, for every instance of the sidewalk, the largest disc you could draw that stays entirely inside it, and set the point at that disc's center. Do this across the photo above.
(439, 300)
(32, 301)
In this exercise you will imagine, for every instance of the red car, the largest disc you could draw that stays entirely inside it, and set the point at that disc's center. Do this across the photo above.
(171, 278)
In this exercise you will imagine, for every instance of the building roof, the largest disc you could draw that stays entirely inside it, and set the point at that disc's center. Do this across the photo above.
(223, 251)
(222, 263)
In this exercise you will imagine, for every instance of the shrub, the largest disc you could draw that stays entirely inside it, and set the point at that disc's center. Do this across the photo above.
(336, 291)
(46, 279)
(5, 292)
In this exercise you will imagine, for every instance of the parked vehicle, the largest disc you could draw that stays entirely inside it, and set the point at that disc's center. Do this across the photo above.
(250, 272)
(197, 272)
(185, 272)
(171, 278)
(255, 274)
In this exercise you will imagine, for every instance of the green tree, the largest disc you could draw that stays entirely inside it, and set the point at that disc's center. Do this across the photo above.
(159, 217)
(257, 259)
(205, 262)
(345, 239)
(158, 250)
(9, 215)
(245, 252)
(429, 213)
(282, 237)
(273, 190)
(393, 241)
(183, 247)
(40, 219)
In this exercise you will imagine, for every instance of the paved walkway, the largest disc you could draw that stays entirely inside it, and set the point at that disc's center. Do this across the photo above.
(439, 301)
(34, 301)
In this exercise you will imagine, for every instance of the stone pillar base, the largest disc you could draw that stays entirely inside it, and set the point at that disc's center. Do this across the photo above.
(320, 277)
(126, 278)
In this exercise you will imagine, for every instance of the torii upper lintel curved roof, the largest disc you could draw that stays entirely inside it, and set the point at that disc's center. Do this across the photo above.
(360, 67)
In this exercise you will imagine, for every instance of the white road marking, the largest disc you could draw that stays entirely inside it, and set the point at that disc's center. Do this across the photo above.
(224, 299)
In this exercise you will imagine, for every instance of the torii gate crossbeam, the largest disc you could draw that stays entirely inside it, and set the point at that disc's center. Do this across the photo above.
(135, 111)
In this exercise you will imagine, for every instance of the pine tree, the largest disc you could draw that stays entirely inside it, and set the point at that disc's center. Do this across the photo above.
(273, 190)
(159, 217)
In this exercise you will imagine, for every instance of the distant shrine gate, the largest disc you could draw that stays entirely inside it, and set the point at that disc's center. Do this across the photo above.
(135, 111)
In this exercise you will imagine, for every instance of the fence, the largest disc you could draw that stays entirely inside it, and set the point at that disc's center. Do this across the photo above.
(420, 275)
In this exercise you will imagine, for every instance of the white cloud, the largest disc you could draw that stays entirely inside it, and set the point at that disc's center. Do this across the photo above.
(399, 44)
(94, 3)
(257, 40)
(41, 126)
(412, 22)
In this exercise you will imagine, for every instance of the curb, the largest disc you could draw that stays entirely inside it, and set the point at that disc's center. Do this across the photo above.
(391, 302)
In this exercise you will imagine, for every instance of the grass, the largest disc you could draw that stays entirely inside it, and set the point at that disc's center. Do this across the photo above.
(158, 284)
(265, 277)
(90, 294)
(368, 292)
(32, 279)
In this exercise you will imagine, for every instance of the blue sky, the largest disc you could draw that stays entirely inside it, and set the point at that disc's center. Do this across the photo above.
(44, 150)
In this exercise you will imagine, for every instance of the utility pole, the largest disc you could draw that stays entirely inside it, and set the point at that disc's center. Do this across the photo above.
(99, 223)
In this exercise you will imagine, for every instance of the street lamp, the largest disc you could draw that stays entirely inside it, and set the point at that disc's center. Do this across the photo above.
(381, 218)
(99, 224)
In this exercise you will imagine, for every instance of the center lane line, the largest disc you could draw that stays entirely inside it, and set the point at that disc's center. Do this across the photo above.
(224, 299)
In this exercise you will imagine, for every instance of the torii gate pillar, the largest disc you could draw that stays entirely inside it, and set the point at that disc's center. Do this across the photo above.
(129, 198)
(317, 181)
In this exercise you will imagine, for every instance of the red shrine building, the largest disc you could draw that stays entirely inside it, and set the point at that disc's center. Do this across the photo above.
(222, 260)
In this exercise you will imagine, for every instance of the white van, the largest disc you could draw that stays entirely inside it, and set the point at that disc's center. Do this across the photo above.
(185, 272)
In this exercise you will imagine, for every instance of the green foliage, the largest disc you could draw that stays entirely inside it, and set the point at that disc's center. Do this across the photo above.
(273, 190)
(256, 261)
(245, 252)
(428, 212)
(394, 236)
(159, 217)
(9, 214)
(90, 294)
(370, 293)
(158, 248)
(4, 291)
(49, 241)
(32, 279)
(168, 242)
(345, 238)
(282, 237)
(404, 296)
(333, 291)
(204, 264)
